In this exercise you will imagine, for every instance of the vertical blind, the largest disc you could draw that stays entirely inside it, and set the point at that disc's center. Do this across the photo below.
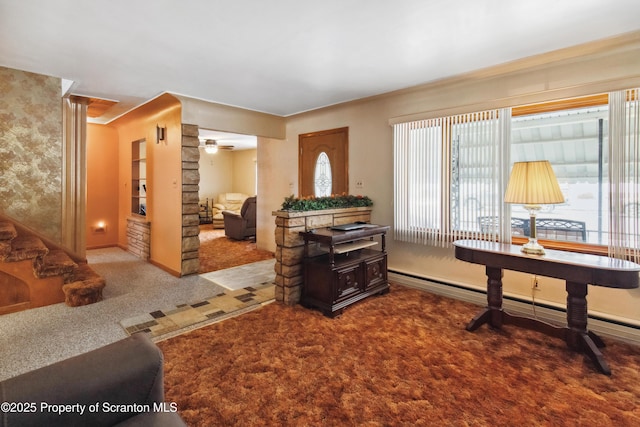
(418, 172)
(624, 174)
(449, 177)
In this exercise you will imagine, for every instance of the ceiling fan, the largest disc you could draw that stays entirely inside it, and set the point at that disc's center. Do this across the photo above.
(211, 146)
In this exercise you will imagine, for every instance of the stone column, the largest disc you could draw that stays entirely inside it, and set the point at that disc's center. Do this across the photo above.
(190, 200)
(290, 245)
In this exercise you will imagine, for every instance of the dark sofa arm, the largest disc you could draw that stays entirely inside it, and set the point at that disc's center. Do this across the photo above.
(127, 372)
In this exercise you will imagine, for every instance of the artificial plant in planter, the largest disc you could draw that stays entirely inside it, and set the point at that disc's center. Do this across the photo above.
(312, 203)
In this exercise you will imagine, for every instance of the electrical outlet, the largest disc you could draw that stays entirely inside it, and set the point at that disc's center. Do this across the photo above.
(359, 184)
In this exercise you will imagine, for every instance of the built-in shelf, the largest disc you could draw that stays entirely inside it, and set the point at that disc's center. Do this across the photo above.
(353, 246)
(139, 177)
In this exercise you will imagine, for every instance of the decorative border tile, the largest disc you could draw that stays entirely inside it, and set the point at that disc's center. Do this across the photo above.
(161, 322)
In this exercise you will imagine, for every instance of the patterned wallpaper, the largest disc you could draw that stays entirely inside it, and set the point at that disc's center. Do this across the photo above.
(31, 150)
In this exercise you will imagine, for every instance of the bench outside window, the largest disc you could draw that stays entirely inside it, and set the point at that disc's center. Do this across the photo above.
(547, 228)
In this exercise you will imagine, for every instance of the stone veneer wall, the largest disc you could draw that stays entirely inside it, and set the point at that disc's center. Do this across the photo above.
(290, 245)
(139, 237)
(190, 200)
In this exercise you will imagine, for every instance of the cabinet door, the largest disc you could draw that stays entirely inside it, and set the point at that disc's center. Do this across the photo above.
(375, 272)
(347, 282)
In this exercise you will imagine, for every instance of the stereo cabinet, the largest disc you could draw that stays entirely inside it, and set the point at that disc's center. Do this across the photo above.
(343, 267)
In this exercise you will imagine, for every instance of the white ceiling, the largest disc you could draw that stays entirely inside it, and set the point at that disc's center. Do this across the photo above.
(286, 56)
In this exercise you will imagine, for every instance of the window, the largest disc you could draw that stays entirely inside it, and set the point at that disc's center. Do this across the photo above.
(322, 176)
(418, 191)
(450, 174)
(479, 146)
(576, 144)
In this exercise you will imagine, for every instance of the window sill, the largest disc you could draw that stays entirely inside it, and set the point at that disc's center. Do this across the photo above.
(585, 248)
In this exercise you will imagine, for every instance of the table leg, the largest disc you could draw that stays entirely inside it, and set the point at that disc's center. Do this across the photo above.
(493, 313)
(578, 338)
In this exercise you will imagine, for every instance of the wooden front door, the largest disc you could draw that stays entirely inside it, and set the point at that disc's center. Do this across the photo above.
(335, 144)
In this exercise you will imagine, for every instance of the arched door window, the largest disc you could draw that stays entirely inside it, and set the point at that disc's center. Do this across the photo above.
(322, 176)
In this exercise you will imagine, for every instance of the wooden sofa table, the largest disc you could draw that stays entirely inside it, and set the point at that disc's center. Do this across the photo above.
(578, 270)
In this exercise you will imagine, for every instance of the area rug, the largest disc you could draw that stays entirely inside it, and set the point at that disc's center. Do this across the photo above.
(218, 252)
(173, 320)
(399, 359)
(255, 273)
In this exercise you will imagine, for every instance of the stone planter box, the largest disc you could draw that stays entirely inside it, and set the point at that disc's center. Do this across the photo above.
(290, 246)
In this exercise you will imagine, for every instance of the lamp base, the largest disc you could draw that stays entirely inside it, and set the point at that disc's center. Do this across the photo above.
(533, 248)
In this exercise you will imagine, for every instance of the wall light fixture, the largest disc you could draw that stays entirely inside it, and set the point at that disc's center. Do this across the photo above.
(160, 134)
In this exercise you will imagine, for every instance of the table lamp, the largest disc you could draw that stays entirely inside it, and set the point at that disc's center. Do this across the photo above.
(533, 184)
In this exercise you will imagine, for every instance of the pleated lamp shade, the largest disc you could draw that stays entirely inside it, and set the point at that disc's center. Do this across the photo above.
(533, 183)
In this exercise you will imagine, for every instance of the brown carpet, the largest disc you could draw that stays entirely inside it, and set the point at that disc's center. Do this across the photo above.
(218, 252)
(400, 359)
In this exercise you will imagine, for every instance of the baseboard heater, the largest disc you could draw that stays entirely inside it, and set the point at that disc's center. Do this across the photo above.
(619, 330)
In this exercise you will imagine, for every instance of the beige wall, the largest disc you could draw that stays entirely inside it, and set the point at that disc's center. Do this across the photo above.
(244, 171)
(227, 172)
(31, 150)
(273, 181)
(596, 68)
(216, 175)
(224, 118)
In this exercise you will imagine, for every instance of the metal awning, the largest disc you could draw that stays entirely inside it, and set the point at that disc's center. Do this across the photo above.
(574, 141)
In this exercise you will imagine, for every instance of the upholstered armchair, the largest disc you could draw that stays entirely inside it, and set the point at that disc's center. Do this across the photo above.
(227, 202)
(128, 372)
(242, 225)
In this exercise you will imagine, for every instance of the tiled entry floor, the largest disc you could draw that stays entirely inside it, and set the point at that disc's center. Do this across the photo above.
(218, 307)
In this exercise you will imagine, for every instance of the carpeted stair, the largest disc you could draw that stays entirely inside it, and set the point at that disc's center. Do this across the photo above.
(33, 275)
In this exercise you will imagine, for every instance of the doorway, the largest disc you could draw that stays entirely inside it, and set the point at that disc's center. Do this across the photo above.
(323, 162)
(228, 176)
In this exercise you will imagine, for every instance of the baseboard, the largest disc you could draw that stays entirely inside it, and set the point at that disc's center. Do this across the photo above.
(156, 264)
(113, 245)
(556, 315)
(165, 268)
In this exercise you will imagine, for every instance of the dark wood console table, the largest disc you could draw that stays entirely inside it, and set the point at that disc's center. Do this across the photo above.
(349, 272)
(576, 269)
